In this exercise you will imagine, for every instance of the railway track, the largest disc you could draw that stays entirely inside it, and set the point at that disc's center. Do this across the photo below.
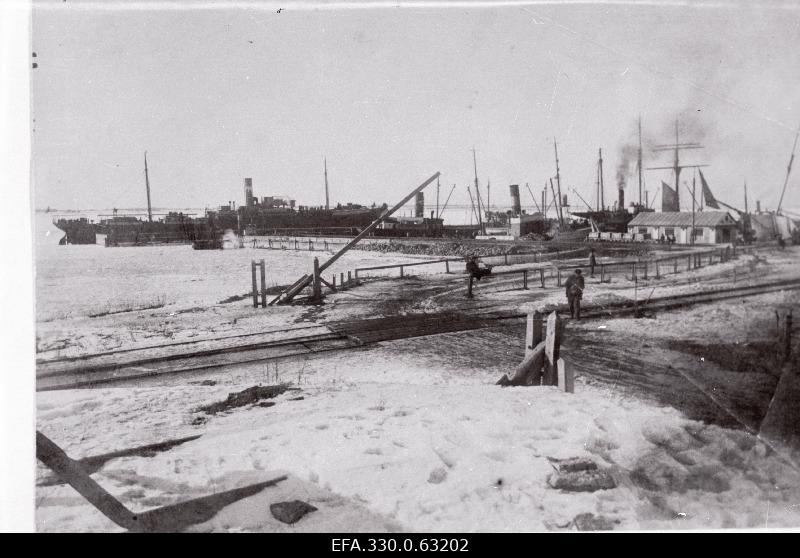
(129, 364)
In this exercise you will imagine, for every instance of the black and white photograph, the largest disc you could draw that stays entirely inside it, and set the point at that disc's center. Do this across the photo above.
(407, 267)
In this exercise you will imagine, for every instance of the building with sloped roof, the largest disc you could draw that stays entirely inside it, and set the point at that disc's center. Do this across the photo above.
(710, 227)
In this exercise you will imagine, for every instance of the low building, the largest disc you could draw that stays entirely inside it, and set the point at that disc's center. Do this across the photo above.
(710, 227)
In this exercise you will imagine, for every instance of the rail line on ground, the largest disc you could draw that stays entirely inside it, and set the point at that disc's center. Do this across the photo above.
(101, 369)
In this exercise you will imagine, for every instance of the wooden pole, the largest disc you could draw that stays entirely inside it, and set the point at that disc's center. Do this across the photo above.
(552, 345)
(566, 377)
(73, 474)
(255, 284)
(787, 336)
(317, 284)
(525, 279)
(469, 286)
(263, 285)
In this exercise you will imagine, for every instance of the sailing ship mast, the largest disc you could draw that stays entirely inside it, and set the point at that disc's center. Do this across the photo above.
(477, 191)
(558, 182)
(327, 199)
(639, 160)
(147, 183)
(677, 166)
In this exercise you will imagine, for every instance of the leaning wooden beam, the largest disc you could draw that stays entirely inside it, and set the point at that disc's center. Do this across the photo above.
(176, 517)
(71, 472)
(528, 371)
(303, 283)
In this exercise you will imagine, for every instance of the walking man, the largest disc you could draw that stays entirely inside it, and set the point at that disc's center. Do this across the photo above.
(574, 286)
(592, 262)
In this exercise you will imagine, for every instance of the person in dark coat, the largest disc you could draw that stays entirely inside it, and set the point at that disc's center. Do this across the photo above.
(592, 262)
(574, 286)
(476, 270)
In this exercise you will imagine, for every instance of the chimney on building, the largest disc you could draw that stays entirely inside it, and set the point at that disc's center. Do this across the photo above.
(516, 206)
(248, 192)
(419, 210)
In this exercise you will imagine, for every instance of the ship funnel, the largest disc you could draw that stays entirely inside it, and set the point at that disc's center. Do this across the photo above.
(248, 192)
(419, 210)
(622, 196)
(516, 206)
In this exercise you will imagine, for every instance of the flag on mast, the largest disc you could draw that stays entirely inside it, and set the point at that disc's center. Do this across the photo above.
(669, 198)
(707, 195)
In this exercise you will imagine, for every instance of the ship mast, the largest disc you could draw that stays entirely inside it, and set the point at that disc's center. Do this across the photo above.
(639, 160)
(147, 183)
(602, 186)
(477, 191)
(676, 166)
(558, 183)
(327, 199)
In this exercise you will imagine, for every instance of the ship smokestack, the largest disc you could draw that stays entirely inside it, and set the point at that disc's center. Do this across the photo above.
(419, 210)
(516, 206)
(622, 198)
(248, 192)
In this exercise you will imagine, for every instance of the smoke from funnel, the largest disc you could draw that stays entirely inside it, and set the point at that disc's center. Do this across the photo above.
(516, 206)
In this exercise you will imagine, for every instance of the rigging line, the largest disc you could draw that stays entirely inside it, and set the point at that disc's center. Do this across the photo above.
(650, 67)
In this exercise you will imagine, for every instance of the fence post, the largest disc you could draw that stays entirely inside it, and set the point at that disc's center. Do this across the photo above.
(349, 277)
(559, 276)
(255, 284)
(263, 285)
(787, 336)
(333, 280)
(316, 284)
(602, 273)
(675, 261)
(355, 274)
(551, 350)
(525, 279)
(505, 257)
(541, 276)
(566, 377)
(401, 271)
(341, 279)
(469, 286)
(533, 336)
(447, 266)
(645, 270)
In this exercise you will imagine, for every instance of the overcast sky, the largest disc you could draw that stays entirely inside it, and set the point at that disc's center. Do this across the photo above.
(391, 95)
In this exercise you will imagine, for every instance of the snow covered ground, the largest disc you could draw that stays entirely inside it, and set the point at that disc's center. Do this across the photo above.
(424, 446)
(406, 435)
